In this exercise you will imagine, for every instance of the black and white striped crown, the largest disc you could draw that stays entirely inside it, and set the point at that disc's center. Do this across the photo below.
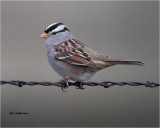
(56, 28)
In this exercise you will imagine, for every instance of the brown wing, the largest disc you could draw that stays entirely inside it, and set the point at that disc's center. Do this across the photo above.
(72, 52)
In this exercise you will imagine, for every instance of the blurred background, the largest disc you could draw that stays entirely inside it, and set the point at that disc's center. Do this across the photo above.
(126, 30)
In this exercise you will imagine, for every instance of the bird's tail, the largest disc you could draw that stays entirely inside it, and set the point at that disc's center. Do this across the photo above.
(127, 62)
(114, 61)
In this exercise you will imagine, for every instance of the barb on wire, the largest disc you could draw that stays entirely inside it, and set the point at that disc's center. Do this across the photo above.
(105, 84)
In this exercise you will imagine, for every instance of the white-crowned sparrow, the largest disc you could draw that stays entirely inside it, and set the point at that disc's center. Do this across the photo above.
(72, 59)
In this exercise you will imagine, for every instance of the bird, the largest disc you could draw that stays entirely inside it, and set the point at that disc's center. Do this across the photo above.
(72, 59)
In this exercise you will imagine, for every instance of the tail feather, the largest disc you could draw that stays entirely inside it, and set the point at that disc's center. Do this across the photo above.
(127, 62)
(121, 61)
(132, 62)
(109, 61)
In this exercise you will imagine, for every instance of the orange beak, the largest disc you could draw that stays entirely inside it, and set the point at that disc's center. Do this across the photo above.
(44, 35)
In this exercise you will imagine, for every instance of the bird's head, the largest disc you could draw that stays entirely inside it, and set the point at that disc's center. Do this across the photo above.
(53, 30)
(55, 34)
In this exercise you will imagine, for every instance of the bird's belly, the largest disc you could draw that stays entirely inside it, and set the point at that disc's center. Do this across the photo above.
(77, 73)
(59, 67)
(85, 76)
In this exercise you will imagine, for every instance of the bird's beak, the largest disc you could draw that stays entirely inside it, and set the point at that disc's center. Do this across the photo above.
(44, 35)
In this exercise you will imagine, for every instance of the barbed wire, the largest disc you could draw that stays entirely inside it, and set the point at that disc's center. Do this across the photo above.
(105, 84)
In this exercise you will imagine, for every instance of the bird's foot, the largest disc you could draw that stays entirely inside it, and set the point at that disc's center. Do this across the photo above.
(80, 86)
(66, 83)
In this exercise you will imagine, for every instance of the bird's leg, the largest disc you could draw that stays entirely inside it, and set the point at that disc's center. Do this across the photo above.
(80, 86)
(66, 81)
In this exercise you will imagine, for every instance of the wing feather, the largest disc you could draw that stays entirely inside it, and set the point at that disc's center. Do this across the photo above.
(72, 52)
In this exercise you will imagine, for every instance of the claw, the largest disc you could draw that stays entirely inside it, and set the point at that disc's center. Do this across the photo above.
(80, 86)
(67, 84)
(66, 81)
(63, 89)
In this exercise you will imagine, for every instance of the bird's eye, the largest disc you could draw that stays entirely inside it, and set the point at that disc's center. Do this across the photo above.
(54, 33)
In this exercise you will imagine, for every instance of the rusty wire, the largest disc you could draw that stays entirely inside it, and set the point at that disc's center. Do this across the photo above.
(105, 84)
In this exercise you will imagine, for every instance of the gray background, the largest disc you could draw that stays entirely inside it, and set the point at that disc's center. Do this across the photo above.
(127, 30)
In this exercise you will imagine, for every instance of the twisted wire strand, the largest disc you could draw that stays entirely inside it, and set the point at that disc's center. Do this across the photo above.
(105, 84)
